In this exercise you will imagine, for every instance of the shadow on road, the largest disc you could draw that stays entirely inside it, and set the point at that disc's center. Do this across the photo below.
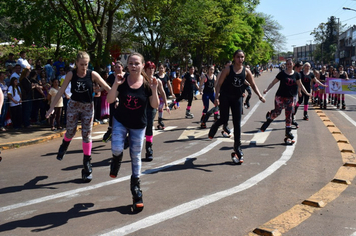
(56, 219)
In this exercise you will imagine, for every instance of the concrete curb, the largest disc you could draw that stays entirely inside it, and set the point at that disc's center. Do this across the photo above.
(13, 145)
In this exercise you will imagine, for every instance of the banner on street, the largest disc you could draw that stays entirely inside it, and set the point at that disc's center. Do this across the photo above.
(340, 86)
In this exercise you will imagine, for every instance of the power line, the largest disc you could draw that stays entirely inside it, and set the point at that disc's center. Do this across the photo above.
(300, 33)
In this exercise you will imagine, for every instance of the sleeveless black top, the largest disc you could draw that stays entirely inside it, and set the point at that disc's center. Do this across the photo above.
(209, 84)
(233, 84)
(82, 88)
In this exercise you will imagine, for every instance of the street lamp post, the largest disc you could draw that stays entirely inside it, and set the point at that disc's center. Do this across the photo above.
(347, 8)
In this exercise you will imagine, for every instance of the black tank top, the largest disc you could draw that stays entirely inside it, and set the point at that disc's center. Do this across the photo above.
(209, 84)
(322, 77)
(233, 84)
(342, 76)
(82, 88)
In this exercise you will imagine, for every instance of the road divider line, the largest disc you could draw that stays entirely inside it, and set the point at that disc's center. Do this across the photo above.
(103, 184)
(205, 200)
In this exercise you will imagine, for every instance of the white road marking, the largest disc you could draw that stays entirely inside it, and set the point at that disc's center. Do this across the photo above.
(193, 132)
(205, 200)
(155, 132)
(261, 137)
(348, 118)
(88, 188)
(181, 209)
(354, 234)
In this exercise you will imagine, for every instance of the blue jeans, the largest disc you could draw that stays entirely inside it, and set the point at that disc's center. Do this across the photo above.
(136, 136)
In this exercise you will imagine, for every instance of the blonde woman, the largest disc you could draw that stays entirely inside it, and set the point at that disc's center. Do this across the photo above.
(306, 78)
(80, 106)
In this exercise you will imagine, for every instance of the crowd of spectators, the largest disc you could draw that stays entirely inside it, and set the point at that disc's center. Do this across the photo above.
(28, 89)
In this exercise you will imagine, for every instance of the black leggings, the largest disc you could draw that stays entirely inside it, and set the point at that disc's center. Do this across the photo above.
(186, 95)
(303, 97)
(235, 103)
(151, 113)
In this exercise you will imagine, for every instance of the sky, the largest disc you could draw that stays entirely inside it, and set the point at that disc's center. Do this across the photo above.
(299, 18)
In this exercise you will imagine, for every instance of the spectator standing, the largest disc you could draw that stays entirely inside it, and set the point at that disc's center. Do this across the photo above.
(27, 96)
(49, 70)
(58, 65)
(17, 72)
(38, 97)
(10, 62)
(3, 110)
(22, 61)
(14, 96)
(57, 107)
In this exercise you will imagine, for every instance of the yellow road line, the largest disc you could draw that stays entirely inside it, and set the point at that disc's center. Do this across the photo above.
(301, 212)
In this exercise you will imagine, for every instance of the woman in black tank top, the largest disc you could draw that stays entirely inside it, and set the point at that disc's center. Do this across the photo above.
(81, 106)
(322, 95)
(229, 90)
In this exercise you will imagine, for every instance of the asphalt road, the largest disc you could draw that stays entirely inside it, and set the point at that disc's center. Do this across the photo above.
(192, 187)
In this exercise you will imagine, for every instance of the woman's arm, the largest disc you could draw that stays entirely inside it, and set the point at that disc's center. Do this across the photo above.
(163, 94)
(182, 85)
(219, 82)
(154, 100)
(201, 82)
(113, 93)
(66, 81)
(301, 87)
(315, 80)
(170, 88)
(250, 79)
(271, 85)
(97, 78)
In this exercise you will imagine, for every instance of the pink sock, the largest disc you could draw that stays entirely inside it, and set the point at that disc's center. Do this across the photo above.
(216, 112)
(306, 107)
(87, 148)
(188, 108)
(149, 138)
(67, 139)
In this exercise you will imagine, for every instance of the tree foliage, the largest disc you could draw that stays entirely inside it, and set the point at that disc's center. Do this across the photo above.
(326, 35)
(208, 31)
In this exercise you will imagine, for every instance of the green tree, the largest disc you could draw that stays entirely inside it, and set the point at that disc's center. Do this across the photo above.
(326, 35)
(92, 23)
(36, 23)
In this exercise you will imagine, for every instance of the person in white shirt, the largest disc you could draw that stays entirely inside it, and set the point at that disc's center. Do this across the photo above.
(22, 61)
(14, 95)
(17, 72)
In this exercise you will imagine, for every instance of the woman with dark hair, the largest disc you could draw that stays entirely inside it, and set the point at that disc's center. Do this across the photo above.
(208, 80)
(14, 95)
(118, 70)
(189, 82)
(289, 86)
(134, 91)
(229, 95)
(166, 83)
(306, 77)
(151, 112)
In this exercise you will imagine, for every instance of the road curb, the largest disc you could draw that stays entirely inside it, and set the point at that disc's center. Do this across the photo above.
(18, 144)
(332, 190)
